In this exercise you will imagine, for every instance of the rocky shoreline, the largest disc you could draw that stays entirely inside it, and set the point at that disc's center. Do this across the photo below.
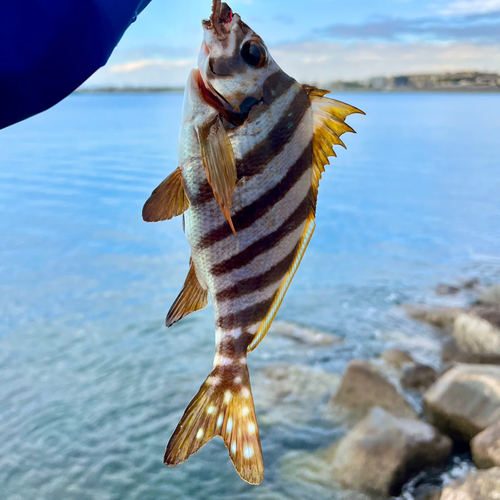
(403, 419)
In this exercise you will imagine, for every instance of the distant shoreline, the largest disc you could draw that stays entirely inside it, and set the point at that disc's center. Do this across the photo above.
(463, 90)
(462, 82)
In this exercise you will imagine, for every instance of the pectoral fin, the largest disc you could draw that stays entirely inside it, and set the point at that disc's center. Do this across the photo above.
(192, 298)
(329, 124)
(168, 200)
(218, 159)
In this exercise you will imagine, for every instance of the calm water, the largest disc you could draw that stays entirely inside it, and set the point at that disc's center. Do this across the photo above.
(92, 384)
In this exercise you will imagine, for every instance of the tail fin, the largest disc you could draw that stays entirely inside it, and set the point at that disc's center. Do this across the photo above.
(223, 407)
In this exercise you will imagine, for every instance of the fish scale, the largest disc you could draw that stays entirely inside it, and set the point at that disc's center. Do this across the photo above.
(252, 148)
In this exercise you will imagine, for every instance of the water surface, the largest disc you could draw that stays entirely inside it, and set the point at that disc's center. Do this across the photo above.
(92, 384)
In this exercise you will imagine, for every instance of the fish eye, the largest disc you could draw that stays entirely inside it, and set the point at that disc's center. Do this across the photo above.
(254, 54)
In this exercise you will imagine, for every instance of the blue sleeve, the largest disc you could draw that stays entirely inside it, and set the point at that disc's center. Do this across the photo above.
(48, 48)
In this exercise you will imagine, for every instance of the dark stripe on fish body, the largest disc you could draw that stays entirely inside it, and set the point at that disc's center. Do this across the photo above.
(250, 285)
(267, 242)
(251, 213)
(245, 317)
(232, 348)
(257, 158)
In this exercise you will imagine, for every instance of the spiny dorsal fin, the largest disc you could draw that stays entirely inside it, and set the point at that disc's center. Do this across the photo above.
(192, 298)
(220, 166)
(168, 200)
(329, 124)
(223, 407)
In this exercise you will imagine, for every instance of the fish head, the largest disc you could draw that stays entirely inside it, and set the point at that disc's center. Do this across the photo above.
(234, 62)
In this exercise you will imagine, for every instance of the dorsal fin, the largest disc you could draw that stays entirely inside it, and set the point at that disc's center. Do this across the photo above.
(220, 166)
(329, 124)
(168, 200)
(192, 298)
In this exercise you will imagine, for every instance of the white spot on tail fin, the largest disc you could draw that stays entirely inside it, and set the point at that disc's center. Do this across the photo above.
(233, 447)
(237, 380)
(251, 428)
(243, 360)
(248, 452)
(237, 333)
(220, 420)
(229, 426)
(222, 361)
(211, 410)
(199, 434)
(245, 392)
(227, 397)
(245, 411)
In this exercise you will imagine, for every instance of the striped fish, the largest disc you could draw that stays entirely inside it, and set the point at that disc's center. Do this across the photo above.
(253, 145)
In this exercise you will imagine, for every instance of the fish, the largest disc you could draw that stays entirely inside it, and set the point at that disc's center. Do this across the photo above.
(253, 145)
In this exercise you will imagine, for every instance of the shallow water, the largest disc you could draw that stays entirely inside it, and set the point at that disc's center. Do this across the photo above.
(92, 384)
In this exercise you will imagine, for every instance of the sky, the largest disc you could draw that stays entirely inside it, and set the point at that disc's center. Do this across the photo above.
(316, 41)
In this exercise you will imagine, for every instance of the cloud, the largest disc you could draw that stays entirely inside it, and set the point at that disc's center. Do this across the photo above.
(143, 73)
(473, 27)
(465, 7)
(133, 66)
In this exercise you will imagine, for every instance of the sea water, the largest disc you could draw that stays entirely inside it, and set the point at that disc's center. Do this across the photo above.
(92, 384)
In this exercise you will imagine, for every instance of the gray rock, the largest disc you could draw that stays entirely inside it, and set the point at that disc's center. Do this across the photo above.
(479, 485)
(471, 284)
(362, 388)
(418, 377)
(443, 289)
(465, 400)
(440, 317)
(452, 354)
(382, 451)
(476, 335)
(304, 335)
(292, 392)
(485, 447)
(397, 358)
(490, 296)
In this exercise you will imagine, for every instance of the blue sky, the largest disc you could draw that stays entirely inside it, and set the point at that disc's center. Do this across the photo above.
(317, 40)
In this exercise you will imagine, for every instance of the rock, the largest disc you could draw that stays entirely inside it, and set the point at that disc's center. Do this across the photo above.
(292, 392)
(489, 313)
(418, 377)
(304, 335)
(485, 447)
(451, 354)
(443, 289)
(465, 400)
(479, 485)
(470, 284)
(362, 388)
(382, 451)
(397, 357)
(476, 335)
(439, 317)
(490, 296)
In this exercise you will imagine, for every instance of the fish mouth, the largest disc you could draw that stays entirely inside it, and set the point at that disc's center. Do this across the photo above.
(220, 19)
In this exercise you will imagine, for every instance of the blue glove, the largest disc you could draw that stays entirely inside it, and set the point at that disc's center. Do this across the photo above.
(48, 48)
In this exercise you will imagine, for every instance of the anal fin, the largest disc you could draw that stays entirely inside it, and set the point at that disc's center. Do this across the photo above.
(192, 298)
(287, 280)
(168, 200)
